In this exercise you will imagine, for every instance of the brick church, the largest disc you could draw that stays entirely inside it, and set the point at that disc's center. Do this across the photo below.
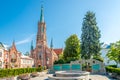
(42, 54)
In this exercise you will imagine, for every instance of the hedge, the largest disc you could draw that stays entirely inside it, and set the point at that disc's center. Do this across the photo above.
(113, 70)
(14, 72)
(115, 66)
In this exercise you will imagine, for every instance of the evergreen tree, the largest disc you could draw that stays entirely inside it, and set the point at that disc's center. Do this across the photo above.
(72, 48)
(90, 43)
(27, 54)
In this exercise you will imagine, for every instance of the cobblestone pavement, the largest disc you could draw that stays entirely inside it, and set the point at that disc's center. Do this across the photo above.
(92, 77)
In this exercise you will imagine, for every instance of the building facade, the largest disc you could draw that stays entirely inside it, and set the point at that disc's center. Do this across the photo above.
(12, 57)
(104, 50)
(1, 55)
(26, 62)
(58, 51)
(42, 54)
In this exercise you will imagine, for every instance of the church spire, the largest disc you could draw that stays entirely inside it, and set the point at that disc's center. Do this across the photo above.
(13, 44)
(31, 45)
(42, 15)
(51, 45)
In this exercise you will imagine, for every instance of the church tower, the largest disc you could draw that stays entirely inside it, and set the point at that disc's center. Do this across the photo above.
(41, 34)
(42, 54)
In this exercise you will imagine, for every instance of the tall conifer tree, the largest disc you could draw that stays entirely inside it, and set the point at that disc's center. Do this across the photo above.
(90, 43)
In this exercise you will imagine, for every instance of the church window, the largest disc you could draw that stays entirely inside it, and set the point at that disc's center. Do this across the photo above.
(47, 59)
(40, 55)
(13, 55)
(42, 29)
(6, 56)
(13, 58)
(40, 46)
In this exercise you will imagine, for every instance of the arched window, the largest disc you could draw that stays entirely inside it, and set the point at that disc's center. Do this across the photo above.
(13, 58)
(40, 55)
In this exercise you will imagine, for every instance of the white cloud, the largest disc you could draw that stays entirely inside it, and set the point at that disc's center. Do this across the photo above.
(5, 45)
(25, 40)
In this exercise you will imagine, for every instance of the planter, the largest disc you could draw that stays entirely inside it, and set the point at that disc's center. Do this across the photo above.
(24, 77)
(34, 74)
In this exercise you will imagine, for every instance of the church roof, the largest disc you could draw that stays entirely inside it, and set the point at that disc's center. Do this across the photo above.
(105, 46)
(25, 57)
(1, 45)
(58, 51)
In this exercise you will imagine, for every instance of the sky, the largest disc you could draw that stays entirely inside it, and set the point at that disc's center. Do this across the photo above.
(19, 20)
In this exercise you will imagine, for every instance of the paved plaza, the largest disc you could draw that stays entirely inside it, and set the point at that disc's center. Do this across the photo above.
(44, 76)
(92, 77)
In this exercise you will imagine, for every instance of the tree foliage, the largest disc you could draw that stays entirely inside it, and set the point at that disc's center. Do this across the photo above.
(27, 54)
(90, 43)
(114, 52)
(72, 48)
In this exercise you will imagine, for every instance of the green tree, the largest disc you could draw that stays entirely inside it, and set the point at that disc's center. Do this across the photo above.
(27, 54)
(72, 48)
(90, 43)
(114, 52)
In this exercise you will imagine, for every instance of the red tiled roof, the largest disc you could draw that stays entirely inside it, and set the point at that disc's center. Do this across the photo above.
(58, 51)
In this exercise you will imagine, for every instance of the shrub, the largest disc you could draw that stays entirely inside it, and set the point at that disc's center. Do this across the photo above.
(113, 70)
(14, 72)
(60, 61)
(39, 69)
(115, 66)
(98, 58)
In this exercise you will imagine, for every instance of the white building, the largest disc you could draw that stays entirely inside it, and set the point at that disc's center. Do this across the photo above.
(1, 55)
(26, 61)
(104, 51)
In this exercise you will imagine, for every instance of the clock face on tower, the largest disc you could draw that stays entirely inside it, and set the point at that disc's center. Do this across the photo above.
(40, 46)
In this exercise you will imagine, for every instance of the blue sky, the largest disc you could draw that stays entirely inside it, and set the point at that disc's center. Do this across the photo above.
(19, 20)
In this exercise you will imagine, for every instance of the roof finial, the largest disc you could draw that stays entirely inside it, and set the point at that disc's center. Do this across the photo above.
(42, 13)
